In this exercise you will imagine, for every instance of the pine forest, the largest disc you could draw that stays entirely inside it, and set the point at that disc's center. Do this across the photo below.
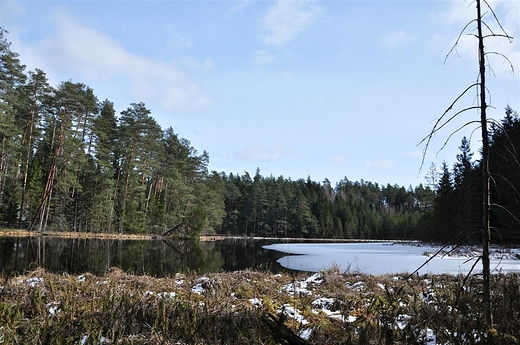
(69, 162)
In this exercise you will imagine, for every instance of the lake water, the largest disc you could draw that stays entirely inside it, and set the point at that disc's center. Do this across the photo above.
(378, 258)
(155, 257)
(166, 257)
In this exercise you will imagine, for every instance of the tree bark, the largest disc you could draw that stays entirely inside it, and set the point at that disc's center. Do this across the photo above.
(486, 199)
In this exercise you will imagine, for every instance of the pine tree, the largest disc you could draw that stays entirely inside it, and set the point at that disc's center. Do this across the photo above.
(12, 80)
(140, 139)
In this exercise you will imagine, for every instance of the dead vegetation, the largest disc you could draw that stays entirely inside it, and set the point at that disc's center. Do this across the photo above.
(232, 308)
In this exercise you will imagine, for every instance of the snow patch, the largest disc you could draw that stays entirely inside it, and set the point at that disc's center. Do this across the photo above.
(301, 287)
(166, 295)
(293, 313)
(33, 282)
(199, 288)
(256, 302)
(305, 333)
(356, 286)
(53, 307)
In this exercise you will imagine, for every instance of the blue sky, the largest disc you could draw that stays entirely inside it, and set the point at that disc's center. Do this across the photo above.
(326, 89)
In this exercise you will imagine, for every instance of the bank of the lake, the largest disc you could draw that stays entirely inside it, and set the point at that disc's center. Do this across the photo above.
(252, 307)
(139, 237)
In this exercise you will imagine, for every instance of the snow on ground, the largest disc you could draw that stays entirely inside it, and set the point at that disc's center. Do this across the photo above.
(200, 284)
(302, 287)
(292, 313)
(330, 307)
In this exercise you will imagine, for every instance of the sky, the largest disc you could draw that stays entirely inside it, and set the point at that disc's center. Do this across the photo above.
(320, 89)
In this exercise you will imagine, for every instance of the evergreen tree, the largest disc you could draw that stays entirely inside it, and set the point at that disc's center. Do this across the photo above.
(140, 138)
(504, 158)
(443, 222)
(12, 80)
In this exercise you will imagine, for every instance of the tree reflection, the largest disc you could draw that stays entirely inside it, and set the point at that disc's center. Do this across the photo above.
(158, 258)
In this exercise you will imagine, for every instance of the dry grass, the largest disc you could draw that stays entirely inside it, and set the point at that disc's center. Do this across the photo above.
(71, 234)
(227, 308)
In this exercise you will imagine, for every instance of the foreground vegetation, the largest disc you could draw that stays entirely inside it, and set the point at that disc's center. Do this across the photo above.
(251, 307)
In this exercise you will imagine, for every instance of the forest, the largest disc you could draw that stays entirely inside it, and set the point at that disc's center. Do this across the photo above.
(69, 162)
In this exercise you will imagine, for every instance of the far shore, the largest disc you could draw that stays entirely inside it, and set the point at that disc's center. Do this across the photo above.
(138, 237)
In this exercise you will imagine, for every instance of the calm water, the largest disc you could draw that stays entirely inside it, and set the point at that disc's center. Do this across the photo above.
(165, 258)
(155, 257)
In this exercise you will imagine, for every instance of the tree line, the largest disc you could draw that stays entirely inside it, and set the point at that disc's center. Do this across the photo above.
(68, 162)
(457, 209)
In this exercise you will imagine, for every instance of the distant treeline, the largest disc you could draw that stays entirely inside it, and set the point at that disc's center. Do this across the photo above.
(69, 162)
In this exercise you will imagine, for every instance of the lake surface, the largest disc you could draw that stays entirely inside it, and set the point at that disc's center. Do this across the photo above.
(153, 257)
(378, 258)
(162, 258)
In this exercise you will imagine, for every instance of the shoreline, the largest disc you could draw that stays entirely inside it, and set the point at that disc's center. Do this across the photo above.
(203, 238)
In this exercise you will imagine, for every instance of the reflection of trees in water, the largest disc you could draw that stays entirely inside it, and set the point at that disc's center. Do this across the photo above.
(155, 258)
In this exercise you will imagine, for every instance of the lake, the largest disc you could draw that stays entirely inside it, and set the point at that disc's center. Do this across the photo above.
(157, 258)
(162, 258)
(379, 258)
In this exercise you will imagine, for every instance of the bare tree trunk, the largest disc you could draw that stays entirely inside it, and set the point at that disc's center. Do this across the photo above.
(30, 125)
(486, 200)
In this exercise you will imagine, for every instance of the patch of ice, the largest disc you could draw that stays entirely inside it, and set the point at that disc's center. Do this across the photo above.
(351, 319)
(148, 293)
(381, 286)
(293, 313)
(256, 302)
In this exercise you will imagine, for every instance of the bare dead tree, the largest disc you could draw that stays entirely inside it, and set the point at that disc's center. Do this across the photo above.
(484, 31)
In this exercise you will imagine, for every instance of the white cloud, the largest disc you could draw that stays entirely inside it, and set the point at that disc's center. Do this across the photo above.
(194, 64)
(178, 41)
(413, 154)
(75, 51)
(262, 57)
(337, 159)
(381, 163)
(261, 153)
(461, 13)
(399, 37)
(286, 19)
(240, 5)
